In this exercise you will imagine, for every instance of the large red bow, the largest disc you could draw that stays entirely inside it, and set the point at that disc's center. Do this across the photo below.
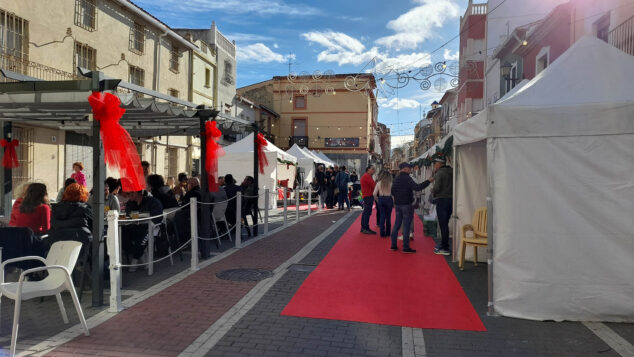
(214, 151)
(119, 150)
(261, 141)
(10, 158)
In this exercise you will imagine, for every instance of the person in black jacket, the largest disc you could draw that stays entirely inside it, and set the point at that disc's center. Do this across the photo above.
(232, 190)
(135, 237)
(443, 192)
(161, 191)
(320, 177)
(403, 188)
(71, 219)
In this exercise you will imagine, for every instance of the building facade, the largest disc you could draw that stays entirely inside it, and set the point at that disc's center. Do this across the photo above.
(49, 40)
(323, 114)
(472, 55)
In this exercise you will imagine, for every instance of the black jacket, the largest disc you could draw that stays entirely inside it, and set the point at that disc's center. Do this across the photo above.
(149, 204)
(403, 188)
(443, 182)
(71, 221)
(194, 192)
(321, 179)
(166, 197)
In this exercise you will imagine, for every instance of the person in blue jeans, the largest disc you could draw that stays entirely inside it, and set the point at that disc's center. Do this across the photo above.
(443, 192)
(385, 203)
(341, 181)
(403, 188)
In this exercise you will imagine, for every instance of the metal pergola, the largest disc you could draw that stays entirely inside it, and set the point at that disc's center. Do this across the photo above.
(64, 105)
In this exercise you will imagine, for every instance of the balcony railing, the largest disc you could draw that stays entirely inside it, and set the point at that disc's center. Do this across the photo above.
(622, 36)
(474, 9)
(299, 140)
(32, 69)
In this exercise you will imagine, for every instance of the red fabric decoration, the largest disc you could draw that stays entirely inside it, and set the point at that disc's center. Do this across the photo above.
(10, 158)
(119, 150)
(214, 151)
(261, 141)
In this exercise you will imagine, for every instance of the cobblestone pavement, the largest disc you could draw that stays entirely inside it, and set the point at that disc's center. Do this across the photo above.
(193, 317)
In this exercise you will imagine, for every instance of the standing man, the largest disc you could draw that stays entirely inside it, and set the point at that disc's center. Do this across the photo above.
(330, 188)
(367, 191)
(321, 183)
(341, 180)
(403, 189)
(443, 192)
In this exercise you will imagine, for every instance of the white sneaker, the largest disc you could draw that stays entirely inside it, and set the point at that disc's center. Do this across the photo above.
(133, 268)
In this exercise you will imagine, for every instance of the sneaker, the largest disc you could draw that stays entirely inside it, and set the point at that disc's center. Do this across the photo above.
(371, 231)
(409, 250)
(441, 251)
(394, 249)
(133, 268)
(367, 231)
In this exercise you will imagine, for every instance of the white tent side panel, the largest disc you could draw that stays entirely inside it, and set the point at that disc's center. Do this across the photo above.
(308, 166)
(240, 165)
(563, 229)
(470, 191)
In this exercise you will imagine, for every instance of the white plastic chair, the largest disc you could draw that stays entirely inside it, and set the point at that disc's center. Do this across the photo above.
(59, 263)
(218, 215)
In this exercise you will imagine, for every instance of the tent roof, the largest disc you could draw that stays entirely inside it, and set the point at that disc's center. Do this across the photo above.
(326, 158)
(246, 145)
(296, 151)
(588, 90)
(316, 158)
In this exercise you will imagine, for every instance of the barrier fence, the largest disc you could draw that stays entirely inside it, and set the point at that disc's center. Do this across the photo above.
(113, 238)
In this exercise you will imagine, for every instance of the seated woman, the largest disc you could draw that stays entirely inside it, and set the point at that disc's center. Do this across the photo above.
(156, 186)
(34, 211)
(71, 219)
(60, 194)
(15, 209)
(112, 187)
(134, 238)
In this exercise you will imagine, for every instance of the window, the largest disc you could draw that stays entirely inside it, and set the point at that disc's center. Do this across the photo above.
(602, 27)
(136, 76)
(86, 14)
(174, 57)
(137, 38)
(203, 47)
(14, 37)
(173, 92)
(24, 172)
(299, 102)
(207, 77)
(228, 73)
(299, 127)
(510, 83)
(542, 60)
(85, 57)
(171, 162)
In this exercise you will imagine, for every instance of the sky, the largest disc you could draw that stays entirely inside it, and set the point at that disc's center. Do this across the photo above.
(352, 36)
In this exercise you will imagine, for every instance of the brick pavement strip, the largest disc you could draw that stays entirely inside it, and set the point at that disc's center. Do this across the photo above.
(169, 321)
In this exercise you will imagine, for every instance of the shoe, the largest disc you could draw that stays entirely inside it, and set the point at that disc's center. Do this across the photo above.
(371, 231)
(409, 250)
(133, 268)
(441, 251)
(394, 249)
(367, 231)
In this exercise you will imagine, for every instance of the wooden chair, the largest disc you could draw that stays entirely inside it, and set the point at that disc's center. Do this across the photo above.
(479, 229)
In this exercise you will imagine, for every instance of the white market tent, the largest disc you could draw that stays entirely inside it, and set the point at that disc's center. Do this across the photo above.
(317, 159)
(238, 161)
(305, 162)
(555, 163)
(325, 158)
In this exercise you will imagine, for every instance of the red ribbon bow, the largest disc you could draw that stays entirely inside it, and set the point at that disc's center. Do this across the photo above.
(10, 158)
(119, 150)
(214, 151)
(261, 155)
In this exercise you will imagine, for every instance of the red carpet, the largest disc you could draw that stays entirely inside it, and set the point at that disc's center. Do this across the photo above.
(302, 207)
(362, 280)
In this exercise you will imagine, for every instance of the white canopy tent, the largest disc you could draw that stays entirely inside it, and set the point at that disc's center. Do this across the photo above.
(238, 161)
(317, 159)
(325, 158)
(305, 162)
(554, 164)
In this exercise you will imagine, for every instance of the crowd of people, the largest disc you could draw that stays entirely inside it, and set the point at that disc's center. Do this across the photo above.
(70, 216)
(333, 187)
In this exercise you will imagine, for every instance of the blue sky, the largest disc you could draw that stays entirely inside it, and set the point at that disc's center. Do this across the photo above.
(342, 36)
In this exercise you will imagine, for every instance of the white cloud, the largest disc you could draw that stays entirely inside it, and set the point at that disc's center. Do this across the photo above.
(419, 23)
(343, 49)
(451, 57)
(259, 52)
(260, 7)
(398, 140)
(398, 103)
(275, 45)
(248, 37)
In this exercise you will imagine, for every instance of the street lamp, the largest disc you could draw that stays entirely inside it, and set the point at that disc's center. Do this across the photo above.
(506, 73)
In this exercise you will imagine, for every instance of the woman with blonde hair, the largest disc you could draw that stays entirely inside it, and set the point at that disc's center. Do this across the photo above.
(34, 211)
(383, 195)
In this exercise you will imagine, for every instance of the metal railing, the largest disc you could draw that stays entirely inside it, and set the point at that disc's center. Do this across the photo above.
(299, 140)
(622, 36)
(32, 69)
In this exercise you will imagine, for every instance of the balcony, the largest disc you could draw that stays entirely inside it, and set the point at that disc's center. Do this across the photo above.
(622, 36)
(302, 141)
(32, 69)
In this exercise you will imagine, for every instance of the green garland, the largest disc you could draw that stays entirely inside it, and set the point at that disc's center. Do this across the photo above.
(444, 151)
(286, 162)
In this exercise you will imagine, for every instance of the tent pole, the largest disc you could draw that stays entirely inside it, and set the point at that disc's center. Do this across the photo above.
(490, 195)
(98, 178)
(205, 215)
(255, 178)
(454, 240)
(7, 178)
